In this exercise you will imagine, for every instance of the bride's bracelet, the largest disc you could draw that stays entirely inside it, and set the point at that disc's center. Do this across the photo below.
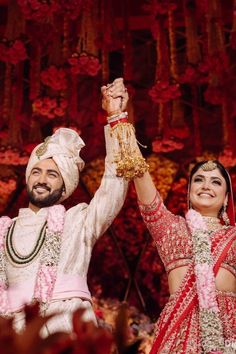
(117, 118)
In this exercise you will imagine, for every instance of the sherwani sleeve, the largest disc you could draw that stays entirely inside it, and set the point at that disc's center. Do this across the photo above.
(106, 203)
(109, 198)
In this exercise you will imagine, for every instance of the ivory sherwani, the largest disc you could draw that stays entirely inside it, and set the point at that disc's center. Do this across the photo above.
(84, 224)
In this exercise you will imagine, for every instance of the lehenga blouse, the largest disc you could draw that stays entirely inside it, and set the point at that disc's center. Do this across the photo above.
(173, 239)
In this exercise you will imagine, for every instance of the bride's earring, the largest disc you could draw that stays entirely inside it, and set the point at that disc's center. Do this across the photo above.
(224, 215)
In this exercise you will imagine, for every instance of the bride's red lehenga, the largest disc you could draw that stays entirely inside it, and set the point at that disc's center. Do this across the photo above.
(178, 329)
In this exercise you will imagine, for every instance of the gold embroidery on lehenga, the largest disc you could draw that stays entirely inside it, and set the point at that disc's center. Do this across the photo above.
(174, 246)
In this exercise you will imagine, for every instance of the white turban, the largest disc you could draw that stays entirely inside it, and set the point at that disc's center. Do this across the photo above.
(64, 148)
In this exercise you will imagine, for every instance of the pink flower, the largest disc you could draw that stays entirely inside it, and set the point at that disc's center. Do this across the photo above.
(195, 221)
(46, 278)
(5, 223)
(206, 287)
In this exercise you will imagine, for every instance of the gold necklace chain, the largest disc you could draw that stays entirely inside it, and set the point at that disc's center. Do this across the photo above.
(212, 222)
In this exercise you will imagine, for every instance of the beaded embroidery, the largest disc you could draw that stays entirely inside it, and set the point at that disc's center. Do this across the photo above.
(209, 320)
(43, 148)
(14, 256)
(49, 259)
(175, 246)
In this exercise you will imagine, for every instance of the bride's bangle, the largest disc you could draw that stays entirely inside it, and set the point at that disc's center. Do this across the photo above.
(117, 118)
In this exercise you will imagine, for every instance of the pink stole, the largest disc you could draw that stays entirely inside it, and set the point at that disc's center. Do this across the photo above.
(66, 287)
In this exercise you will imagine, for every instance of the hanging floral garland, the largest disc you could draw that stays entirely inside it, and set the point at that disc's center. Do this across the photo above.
(54, 77)
(12, 51)
(217, 64)
(72, 8)
(50, 107)
(195, 74)
(38, 10)
(162, 144)
(209, 319)
(164, 91)
(84, 64)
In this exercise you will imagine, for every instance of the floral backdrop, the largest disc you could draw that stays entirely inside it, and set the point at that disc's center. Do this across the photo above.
(178, 61)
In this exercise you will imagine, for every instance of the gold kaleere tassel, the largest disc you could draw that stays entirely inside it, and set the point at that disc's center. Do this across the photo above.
(129, 161)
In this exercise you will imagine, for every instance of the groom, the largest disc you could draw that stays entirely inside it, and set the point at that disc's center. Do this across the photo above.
(45, 251)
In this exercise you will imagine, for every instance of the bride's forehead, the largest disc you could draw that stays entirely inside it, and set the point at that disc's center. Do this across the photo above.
(216, 172)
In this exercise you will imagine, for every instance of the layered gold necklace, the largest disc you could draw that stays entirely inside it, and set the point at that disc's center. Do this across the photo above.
(213, 223)
(14, 256)
(48, 242)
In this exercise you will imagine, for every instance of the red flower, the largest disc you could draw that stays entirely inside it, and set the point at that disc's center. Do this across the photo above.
(63, 103)
(58, 111)
(50, 107)
(12, 52)
(83, 64)
(54, 78)
(179, 133)
(166, 145)
(72, 8)
(38, 103)
(38, 10)
(163, 91)
(227, 157)
(195, 74)
(50, 102)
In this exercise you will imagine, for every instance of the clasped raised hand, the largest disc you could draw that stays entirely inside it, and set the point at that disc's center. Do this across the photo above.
(114, 97)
